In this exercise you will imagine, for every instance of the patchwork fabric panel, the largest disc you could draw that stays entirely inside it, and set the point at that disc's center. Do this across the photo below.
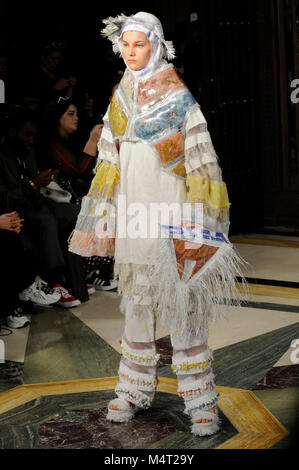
(201, 255)
(158, 86)
(171, 148)
(180, 170)
(165, 118)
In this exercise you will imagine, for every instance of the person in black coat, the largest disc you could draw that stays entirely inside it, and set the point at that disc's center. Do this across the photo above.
(47, 224)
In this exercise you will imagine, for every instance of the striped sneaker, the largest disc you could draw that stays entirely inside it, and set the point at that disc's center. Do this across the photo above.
(96, 280)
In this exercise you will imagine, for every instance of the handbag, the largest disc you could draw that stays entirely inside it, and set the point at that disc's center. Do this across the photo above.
(55, 193)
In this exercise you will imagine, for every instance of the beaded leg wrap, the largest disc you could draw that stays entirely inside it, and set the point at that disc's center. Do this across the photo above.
(137, 380)
(197, 387)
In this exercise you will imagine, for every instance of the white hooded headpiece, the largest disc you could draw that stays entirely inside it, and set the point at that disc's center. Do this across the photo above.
(145, 23)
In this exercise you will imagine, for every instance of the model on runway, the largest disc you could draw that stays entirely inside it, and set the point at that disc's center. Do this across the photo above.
(156, 152)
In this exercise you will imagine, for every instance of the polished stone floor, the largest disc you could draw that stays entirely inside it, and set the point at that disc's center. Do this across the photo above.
(66, 353)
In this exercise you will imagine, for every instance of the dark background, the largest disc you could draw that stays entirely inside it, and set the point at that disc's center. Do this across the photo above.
(239, 57)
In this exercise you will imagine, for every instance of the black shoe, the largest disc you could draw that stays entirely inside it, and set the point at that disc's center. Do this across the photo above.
(96, 280)
(17, 318)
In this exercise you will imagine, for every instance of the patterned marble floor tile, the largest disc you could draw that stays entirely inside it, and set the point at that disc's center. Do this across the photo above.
(164, 348)
(244, 364)
(78, 422)
(11, 375)
(284, 405)
(279, 377)
(61, 347)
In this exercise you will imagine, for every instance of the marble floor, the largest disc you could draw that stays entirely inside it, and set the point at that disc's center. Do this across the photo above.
(59, 373)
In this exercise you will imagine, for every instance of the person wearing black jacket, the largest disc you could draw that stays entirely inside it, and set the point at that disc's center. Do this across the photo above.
(20, 285)
(47, 224)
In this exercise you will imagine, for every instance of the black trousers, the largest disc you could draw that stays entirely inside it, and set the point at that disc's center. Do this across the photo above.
(49, 233)
(18, 270)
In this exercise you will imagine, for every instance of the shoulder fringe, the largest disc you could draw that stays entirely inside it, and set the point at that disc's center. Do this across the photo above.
(208, 295)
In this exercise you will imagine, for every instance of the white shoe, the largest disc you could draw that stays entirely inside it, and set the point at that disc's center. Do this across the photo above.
(40, 293)
(124, 413)
(208, 428)
(17, 319)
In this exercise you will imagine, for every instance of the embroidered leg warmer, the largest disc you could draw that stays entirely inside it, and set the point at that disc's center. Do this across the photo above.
(137, 371)
(197, 387)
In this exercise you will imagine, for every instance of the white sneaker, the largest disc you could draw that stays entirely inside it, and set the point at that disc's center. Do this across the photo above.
(66, 299)
(17, 319)
(40, 293)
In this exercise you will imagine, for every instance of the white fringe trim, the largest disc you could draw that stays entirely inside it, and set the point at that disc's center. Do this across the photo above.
(144, 382)
(186, 305)
(204, 415)
(144, 357)
(204, 403)
(170, 50)
(192, 365)
(189, 390)
(204, 429)
(134, 396)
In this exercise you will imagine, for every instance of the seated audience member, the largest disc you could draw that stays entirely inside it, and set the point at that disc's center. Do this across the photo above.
(60, 148)
(20, 285)
(46, 222)
(48, 81)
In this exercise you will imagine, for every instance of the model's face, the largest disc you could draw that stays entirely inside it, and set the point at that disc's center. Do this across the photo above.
(68, 122)
(136, 49)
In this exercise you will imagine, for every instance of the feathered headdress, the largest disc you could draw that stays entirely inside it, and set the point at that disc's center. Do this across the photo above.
(140, 21)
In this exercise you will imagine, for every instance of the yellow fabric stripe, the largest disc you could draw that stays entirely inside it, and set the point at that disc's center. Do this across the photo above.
(117, 118)
(212, 192)
(105, 180)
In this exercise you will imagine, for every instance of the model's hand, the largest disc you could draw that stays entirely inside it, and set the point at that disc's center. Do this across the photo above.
(44, 178)
(11, 222)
